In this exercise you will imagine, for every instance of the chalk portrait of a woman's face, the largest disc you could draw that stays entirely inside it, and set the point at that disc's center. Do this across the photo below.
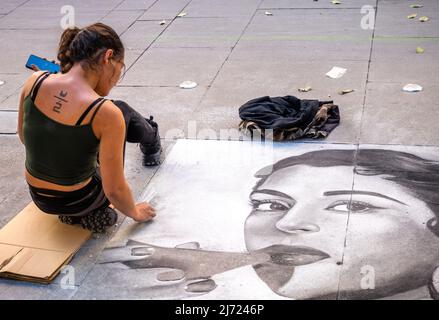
(381, 213)
(326, 223)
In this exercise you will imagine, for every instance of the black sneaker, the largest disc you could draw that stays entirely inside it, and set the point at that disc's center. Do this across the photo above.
(152, 159)
(72, 220)
(152, 151)
(99, 220)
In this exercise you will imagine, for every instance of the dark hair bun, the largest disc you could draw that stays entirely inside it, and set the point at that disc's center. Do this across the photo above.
(87, 45)
(64, 53)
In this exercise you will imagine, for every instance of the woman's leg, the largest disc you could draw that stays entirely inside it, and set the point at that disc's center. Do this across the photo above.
(88, 206)
(143, 131)
(99, 216)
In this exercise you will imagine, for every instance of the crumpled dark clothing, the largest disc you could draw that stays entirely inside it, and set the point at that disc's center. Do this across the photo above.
(289, 118)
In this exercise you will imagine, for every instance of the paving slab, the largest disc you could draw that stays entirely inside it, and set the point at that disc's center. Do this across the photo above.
(202, 32)
(8, 6)
(212, 123)
(165, 9)
(120, 21)
(16, 53)
(8, 122)
(136, 174)
(135, 5)
(396, 60)
(244, 79)
(170, 66)
(392, 116)
(397, 5)
(91, 5)
(313, 48)
(260, 76)
(12, 102)
(378, 262)
(339, 34)
(228, 8)
(131, 57)
(333, 24)
(40, 18)
(12, 83)
(141, 34)
(172, 108)
(14, 190)
(306, 4)
(392, 19)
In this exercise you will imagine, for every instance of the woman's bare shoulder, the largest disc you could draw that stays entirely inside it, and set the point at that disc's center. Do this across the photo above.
(30, 82)
(108, 114)
(109, 108)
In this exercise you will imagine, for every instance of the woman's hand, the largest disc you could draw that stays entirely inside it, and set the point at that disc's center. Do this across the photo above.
(35, 68)
(144, 212)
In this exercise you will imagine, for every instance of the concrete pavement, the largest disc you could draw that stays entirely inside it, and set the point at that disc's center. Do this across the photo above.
(235, 52)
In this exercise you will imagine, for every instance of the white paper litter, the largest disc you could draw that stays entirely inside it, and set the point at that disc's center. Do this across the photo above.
(305, 89)
(345, 91)
(412, 87)
(188, 85)
(336, 72)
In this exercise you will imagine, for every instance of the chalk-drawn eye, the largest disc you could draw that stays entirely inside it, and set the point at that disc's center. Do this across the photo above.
(270, 205)
(352, 206)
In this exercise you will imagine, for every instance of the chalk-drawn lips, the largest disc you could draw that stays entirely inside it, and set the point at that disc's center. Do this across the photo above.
(293, 255)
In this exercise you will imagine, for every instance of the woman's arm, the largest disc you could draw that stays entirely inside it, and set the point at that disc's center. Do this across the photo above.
(24, 92)
(110, 127)
(20, 117)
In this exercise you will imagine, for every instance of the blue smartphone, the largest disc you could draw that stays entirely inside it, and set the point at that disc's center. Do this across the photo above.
(42, 64)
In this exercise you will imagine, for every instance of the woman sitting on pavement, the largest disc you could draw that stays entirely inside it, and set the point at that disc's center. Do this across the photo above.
(75, 139)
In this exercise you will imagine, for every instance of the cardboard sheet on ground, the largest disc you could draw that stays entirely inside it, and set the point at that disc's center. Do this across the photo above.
(34, 246)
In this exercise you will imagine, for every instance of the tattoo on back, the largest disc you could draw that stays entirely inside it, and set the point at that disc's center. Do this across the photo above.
(60, 99)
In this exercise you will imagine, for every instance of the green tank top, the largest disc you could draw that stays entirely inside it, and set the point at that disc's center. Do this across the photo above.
(56, 152)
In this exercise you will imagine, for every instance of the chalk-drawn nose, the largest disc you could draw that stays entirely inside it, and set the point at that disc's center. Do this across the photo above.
(297, 227)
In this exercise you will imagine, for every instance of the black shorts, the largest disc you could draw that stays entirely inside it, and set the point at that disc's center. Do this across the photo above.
(75, 203)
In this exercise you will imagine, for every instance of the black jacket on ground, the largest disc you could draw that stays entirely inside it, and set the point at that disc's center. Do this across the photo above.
(289, 114)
